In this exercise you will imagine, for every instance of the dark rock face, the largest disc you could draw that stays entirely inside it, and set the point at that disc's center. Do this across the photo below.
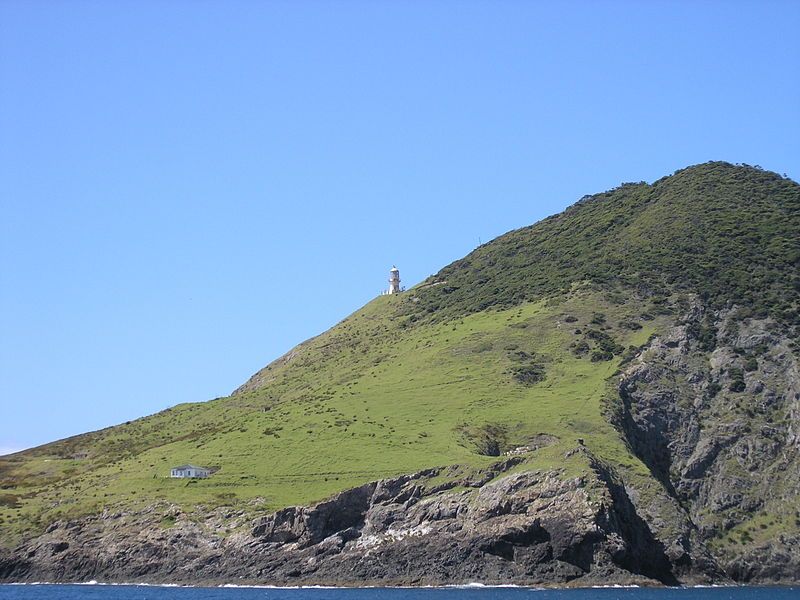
(526, 527)
(719, 428)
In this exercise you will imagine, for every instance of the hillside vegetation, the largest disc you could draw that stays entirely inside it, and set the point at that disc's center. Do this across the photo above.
(726, 233)
(517, 346)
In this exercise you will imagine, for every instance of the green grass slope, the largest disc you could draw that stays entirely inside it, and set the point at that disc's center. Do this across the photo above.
(513, 345)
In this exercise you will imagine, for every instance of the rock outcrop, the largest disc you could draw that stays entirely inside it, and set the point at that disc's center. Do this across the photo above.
(712, 409)
(527, 527)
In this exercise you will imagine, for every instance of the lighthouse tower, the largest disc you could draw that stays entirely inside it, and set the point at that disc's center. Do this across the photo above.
(394, 281)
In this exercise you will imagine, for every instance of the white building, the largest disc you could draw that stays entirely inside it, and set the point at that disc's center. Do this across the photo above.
(394, 281)
(190, 471)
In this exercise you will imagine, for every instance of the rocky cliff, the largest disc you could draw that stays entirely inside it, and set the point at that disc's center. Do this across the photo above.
(712, 408)
(495, 526)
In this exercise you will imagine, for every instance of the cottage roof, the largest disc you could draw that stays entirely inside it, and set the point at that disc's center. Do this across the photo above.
(182, 467)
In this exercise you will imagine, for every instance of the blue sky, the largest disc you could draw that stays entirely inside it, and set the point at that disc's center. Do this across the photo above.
(188, 189)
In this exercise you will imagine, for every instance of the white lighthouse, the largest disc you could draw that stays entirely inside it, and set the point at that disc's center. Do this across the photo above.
(394, 281)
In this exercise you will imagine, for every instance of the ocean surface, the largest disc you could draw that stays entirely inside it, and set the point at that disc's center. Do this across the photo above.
(134, 592)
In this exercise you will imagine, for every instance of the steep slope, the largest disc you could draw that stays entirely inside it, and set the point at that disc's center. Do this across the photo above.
(640, 348)
(715, 419)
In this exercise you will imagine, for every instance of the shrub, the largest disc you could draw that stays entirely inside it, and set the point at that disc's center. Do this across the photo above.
(529, 374)
(605, 342)
(488, 439)
(630, 353)
(737, 386)
(705, 333)
(737, 379)
(580, 349)
(600, 355)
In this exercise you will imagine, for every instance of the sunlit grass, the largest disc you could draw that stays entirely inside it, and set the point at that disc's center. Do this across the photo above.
(366, 400)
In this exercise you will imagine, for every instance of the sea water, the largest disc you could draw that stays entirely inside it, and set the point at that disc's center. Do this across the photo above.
(139, 592)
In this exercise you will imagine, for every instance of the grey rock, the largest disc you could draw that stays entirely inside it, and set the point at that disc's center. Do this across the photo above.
(526, 528)
(718, 453)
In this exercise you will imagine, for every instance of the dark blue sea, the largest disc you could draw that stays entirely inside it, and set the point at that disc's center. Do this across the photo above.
(132, 592)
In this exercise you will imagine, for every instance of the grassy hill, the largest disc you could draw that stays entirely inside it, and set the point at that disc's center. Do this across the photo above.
(516, 344)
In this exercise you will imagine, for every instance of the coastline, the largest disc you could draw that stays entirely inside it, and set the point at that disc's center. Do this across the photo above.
(453, 586)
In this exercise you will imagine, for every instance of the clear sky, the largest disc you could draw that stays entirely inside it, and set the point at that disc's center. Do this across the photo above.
(189, 188)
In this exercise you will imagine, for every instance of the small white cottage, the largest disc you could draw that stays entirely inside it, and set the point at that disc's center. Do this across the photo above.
(190, 471)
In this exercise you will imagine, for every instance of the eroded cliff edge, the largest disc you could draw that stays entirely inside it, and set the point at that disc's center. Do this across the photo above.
(495, 526)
